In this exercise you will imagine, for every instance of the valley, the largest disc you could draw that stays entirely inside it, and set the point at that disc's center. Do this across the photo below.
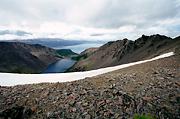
(150, 88)
(89, 59)
(120, 79)
(21, 57)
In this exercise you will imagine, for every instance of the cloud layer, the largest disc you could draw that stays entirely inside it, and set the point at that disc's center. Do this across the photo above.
(113, 19)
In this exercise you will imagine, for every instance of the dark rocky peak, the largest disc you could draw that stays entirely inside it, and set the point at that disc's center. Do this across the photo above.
(116, 43)
(145, 43)
(125, 41)
(150, 40)
(143, 38)
(141, 41)
(158, 37)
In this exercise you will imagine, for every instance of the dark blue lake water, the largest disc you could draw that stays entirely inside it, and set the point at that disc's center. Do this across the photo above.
(64, 64)
(60, 66)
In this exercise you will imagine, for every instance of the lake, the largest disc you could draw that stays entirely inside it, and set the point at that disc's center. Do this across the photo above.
(60, 66)
(64, 64)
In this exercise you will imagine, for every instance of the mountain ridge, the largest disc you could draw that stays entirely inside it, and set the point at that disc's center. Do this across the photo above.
(126, 51)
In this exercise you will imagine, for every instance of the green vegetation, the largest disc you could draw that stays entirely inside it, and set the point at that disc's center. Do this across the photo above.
(66, 52)
(79, 57)
(143, 116)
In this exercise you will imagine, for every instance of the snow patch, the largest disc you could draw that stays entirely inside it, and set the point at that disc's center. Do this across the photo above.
(11, 79)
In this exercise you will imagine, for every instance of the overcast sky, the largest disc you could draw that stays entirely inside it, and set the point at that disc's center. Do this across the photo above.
(91, 19)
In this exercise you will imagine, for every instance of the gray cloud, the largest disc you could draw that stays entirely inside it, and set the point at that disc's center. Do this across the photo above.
(152, 15)
(137, 12)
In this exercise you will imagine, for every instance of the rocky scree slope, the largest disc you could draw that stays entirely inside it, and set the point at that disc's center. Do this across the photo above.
(126, 51)
(19, 57)
(150, 88)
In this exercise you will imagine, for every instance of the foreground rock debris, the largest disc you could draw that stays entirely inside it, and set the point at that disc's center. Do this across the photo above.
(150, 88)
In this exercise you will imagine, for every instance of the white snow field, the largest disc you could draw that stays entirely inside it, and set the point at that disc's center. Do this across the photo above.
(11, 79)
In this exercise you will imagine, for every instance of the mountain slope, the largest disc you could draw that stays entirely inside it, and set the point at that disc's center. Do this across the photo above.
(24, 58)
(125, 51)
(83, 55)
(149, 88)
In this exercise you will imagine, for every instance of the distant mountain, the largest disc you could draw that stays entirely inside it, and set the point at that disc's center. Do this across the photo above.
(55, 43)
(19, 57)
(18, 32)
(126, 51)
